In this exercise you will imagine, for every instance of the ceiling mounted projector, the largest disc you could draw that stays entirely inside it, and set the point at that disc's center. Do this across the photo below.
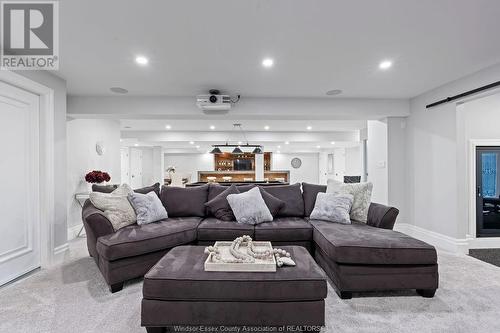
(214, 102)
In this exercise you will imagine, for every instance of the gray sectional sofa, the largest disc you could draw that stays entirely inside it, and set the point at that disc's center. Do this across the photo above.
(357, 257)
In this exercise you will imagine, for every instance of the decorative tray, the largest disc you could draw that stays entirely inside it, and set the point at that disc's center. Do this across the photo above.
(260, 265)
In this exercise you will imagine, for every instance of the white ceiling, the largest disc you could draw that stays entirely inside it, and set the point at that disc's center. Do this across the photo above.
(317, 45)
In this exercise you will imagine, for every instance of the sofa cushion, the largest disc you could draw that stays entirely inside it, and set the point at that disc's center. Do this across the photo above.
(284, 229)
(184, 201)
(359, 243)
(291, 195)
(309, 194)
(212, 229)
(141, 239)
(219, 206)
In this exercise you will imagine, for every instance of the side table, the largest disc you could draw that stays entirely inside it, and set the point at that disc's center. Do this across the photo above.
(81, 198)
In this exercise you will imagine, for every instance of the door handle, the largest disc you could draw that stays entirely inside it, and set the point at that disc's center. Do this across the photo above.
(479, 191)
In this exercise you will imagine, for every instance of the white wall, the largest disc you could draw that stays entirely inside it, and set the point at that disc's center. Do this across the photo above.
(478, 119)
(437, 177)
(60, 197)
(82, 135)
(190, 163)
(397, 166)
(377, 160)
(353, 161)
(308, 171)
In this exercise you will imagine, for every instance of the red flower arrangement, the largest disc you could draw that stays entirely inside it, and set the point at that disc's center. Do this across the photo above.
(97, 176)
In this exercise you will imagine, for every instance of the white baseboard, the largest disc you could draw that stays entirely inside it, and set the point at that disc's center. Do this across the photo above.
(74, 230)
(440, 241)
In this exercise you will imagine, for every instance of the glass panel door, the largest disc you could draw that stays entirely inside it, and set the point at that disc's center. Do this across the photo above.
(487, 192)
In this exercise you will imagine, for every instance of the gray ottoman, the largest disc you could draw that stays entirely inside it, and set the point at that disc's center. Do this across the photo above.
(178, 292)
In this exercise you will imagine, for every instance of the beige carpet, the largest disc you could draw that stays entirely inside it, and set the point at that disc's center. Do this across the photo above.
(74, 298)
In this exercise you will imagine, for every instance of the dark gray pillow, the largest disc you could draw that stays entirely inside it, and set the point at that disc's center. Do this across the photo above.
(219, 207)
(309, 193)
(184, 201)
(291, 195)
(153, 188)
(274, 204)
(111, 188)
(215, 189)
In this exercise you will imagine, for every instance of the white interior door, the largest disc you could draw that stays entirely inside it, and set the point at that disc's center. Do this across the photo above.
(135, 168)
(19, 173)
(125, 165)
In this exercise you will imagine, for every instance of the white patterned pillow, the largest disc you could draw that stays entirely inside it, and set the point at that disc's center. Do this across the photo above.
(148, 207)
(115, 206)
(362, 193)
(333, 207)
(249, 207)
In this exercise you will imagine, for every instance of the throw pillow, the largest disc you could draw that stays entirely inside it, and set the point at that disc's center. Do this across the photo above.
(148, 207)
(362, 193)
(115, 206)
(333, 207)
(274, 204)
(219, 207)
(249, 207)
(333, 186)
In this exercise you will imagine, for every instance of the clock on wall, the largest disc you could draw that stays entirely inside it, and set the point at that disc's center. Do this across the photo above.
(296, 162)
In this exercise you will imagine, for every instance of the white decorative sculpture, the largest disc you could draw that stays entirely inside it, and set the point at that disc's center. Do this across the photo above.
(282, 257)
(100, 148)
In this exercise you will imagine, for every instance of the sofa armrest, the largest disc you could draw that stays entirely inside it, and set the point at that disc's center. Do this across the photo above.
(382, 216)
(96, 225)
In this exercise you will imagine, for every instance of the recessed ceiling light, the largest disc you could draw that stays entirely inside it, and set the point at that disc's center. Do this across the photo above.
(309, 128)
(168, 126)
(266, 128)
(197, 147)
(318, 147)
(268, 62)
(136, 144)
(118, 90)
(333, 142)
(239, 143)
(212, 127)
(279, 147)
(191, 142)
(334, 92)
(278, 152)
(141, 60)
(287, 143)
(386, 64)
(121, 140)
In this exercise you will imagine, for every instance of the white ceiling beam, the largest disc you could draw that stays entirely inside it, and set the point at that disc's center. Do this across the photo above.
(252, 137)
(130, 107)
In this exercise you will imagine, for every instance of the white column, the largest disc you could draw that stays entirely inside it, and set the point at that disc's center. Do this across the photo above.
(158, 165)
(259, 167)
(323, 167)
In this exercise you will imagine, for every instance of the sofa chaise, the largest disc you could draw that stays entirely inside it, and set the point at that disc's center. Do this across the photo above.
(357, 257)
